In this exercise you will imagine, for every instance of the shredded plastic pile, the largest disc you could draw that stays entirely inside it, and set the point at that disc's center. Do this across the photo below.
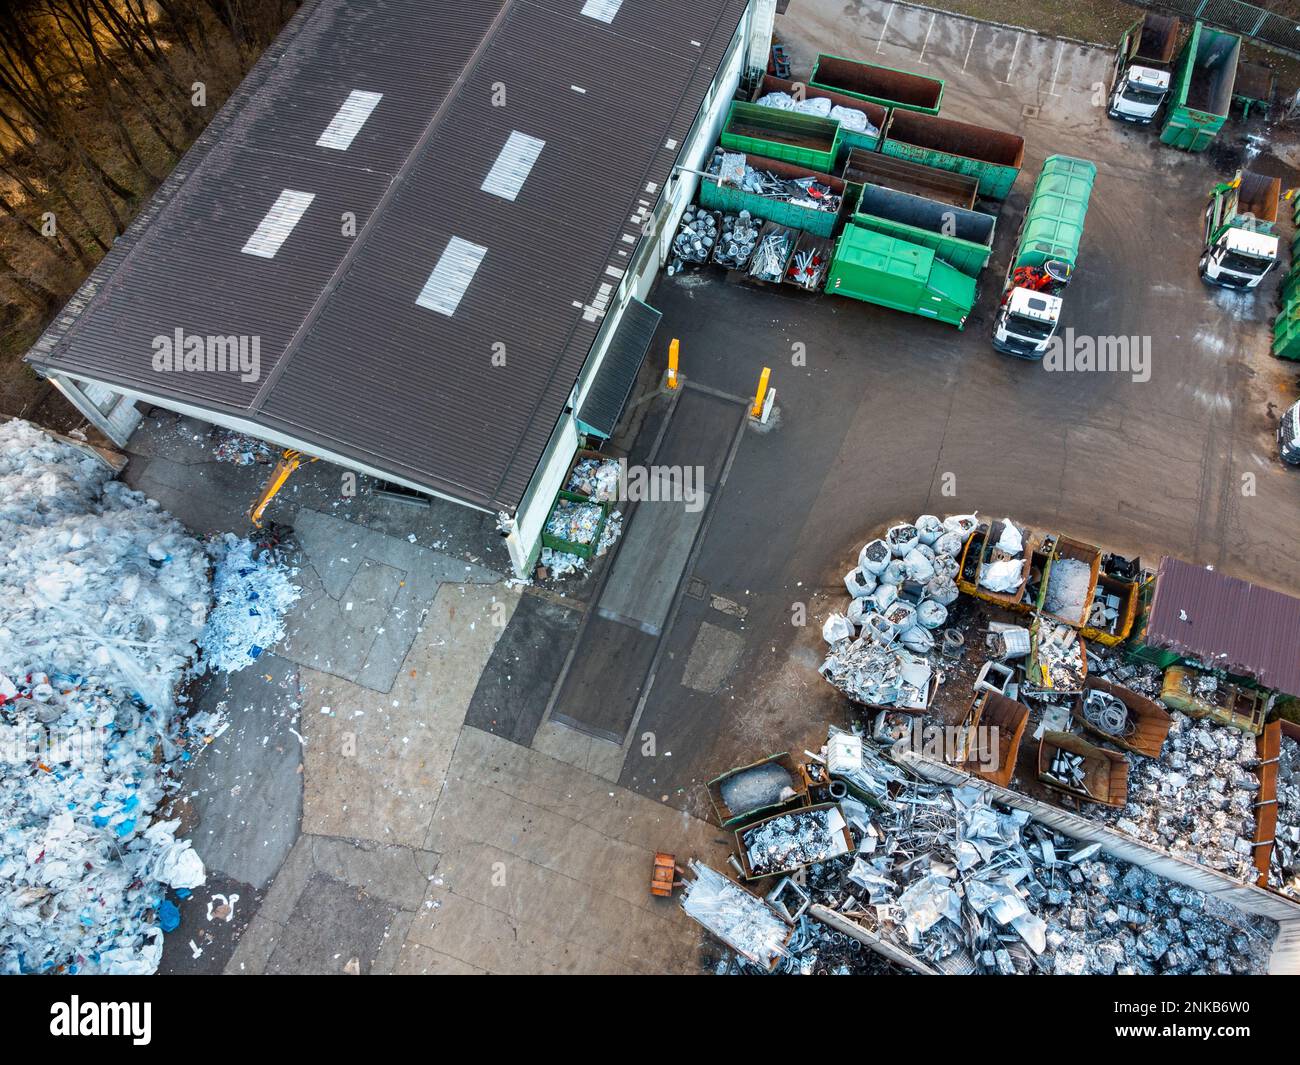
(252, 596)
(102, 599)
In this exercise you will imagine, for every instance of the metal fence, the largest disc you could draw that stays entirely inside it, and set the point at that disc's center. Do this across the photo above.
(1267, 27)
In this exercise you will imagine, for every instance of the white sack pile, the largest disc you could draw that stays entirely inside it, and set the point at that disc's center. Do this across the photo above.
(102, 599)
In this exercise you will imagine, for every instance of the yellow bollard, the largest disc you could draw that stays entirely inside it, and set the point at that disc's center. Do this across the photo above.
(756, 411)
(672, 364)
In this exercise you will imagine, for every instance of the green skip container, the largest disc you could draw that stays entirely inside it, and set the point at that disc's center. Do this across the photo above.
(963, 239)
(880, 85)
(1202, 90)
(894, 273)
(807, 140)
(991, 156)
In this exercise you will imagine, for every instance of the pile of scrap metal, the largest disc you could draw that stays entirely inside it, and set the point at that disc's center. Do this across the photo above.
(942, 880)
(695, 238)
(739, 238)
(808, 268)
(792, 840)
(802, 192)
(771, 255)
(901, 589)
(1197, 800)
(1058, 663)
(1284, 872)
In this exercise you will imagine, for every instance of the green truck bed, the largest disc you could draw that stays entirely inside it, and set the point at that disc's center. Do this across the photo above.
(884, 270)
(1201, 95)
(1053, 226)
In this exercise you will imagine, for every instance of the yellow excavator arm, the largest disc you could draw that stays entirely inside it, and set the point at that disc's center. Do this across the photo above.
(289, 461)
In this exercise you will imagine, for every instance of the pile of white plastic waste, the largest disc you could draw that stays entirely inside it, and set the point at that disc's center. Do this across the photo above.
(252, 595)
(102, 600)
(901, 589)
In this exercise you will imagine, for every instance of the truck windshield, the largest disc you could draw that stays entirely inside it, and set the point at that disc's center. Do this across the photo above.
(1028, 327)
(1238, 263)
(1145, 97)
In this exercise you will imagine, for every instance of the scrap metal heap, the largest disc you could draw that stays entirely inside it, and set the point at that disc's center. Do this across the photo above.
(731, 167)
(1284, 872)
(964, 886)
(1197, 800)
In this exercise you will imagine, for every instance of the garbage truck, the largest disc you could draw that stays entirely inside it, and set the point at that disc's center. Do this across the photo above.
(1046, 252)
(1240, 245)
(1144, 68)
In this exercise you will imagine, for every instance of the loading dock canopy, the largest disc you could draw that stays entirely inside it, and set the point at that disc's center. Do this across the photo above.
(421, 215)
(1226, 623)
(603, 406)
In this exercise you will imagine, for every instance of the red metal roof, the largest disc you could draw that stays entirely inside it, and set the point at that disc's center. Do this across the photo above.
(1226, 623)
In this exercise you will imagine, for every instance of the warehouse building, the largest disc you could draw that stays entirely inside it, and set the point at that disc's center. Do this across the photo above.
(418, 239)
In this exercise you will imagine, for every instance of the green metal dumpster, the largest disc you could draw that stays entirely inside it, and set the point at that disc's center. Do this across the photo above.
(849, 138)
(962, 239)
(880, 85)
(730, 198)
(803, 139)
(992, 156)
(894, 273)
(1202, 92)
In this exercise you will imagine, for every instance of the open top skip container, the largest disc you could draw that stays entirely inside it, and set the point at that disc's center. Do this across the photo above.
(962, 239)
(1201, 96)
(1060, 549)
(728, 817)
(993, 728)
(1105, 772)
(1151, 721)
(809, 812)
(728, 197)
(807, 140)
(991, 156)
(879, 85)
(872, 168)
(849, 138)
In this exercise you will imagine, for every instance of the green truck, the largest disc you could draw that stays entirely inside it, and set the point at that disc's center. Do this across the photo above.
(1240, 243)
(1201, 97)
(877, 268)
(960, 238)
(991, 156)
(1046, 253)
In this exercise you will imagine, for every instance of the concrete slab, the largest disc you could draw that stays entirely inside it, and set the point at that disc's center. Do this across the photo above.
(375, 763)
(333, 925)
(713, 656)
(600, 691)
(515, 687)
(246, 786)
(364, 596)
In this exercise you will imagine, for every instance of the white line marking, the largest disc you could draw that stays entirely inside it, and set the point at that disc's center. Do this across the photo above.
(970, 46)
(1060, 50)
(1015, 52)
(885, 29)
(925, 43)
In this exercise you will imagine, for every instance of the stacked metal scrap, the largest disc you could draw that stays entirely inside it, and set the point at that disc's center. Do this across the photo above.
(808, 269)
(739, 238)
(695, 238)
(771, 254)
(1198, 799)
(803, 192)
(1284, 873)
(794, 839)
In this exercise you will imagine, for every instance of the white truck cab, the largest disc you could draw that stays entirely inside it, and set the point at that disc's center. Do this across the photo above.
(1239, 258)
(1026, 322)
(1139, 92)
(1288, 435)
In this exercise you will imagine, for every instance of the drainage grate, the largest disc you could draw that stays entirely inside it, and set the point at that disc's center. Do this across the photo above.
(1029, 111)
(697, 588)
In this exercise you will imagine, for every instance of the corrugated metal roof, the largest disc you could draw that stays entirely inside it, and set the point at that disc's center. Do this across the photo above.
(1226, 623)
(351, 361)
(603, 405)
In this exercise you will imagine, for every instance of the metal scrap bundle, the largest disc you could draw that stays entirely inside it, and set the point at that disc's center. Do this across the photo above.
(771, 254)
(1284, 871)
(1197, 800)
(794, 839)
(808, 269)
(739, 238)
(740, 919)
(804, 191)
(696, 236)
